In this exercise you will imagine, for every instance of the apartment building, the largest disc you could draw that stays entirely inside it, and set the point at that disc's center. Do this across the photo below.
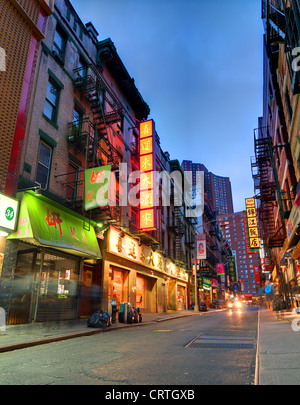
(248, 265)
(218, 188)
(275, 167)
(71, 254)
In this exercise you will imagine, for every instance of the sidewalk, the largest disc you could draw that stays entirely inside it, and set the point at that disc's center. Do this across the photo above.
(278, 351)
(33, 334)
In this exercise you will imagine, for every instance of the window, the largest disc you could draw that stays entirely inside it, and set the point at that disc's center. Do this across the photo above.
(77, 117)
(72, 183)
(82, 68)
(43, 165)
(59, 44)
(51, 103)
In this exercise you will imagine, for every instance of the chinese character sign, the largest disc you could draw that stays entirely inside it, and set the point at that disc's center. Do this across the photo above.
(232, 269)
(147, 168)
(97, 187)
(220, 269)
(253, 235)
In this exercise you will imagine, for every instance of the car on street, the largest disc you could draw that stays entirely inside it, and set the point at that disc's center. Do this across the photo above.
(234, 304)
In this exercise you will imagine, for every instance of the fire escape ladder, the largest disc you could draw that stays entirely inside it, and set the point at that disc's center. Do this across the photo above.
(91, 85)
(179, 232)
(276, 24)
(265, 166)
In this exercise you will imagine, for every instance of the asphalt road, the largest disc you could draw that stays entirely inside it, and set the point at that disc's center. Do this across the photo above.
(216, 348)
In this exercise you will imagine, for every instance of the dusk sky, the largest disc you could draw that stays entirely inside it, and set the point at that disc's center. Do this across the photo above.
(198, 65)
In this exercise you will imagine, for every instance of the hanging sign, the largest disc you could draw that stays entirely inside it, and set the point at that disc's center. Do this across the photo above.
(201, 247)
(257, 275)
(8, 212)
(253, 235)
(97, 187)
(220, 269)
(147, 181)
(232, 269)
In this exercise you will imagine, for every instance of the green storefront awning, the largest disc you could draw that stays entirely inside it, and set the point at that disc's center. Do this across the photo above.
(47, 223)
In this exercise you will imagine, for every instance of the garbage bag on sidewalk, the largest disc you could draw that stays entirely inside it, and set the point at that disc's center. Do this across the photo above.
(99, 319)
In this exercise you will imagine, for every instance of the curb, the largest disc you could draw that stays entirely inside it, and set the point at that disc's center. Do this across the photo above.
(256, 377)
(33, 343)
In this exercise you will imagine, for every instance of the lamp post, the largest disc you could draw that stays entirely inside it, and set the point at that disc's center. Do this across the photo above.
(223, 226)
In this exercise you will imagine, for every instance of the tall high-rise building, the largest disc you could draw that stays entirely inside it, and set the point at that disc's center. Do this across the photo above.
(218, 188)
(247, 262)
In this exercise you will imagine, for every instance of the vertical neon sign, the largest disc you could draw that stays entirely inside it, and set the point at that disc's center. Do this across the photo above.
(147, 168)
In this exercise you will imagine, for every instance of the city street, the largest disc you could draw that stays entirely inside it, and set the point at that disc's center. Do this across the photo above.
(218, 348)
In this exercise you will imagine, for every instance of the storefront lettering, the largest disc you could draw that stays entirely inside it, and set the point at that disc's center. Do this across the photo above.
(53, 219)
(151, 260)
(127, 247)
(131, 249)
(73, 233)
(24, 227)
(84, 238)
(142, 255)
(120, 244)
(97, 177)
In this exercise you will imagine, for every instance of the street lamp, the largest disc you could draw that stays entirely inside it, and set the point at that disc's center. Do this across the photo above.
(223, 226)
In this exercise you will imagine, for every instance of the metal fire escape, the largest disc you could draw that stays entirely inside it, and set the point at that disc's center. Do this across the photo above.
(283, 26)
(99, 148)
(180, 255)
(264, 170)
(266, 183)
(90, 134)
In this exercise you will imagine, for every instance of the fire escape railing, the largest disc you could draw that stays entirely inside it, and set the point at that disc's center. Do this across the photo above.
(266, 181)
(91, 86)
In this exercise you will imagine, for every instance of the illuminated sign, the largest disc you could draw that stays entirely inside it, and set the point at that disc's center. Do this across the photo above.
(220, 269)
(128, 248)
(8, 212)
(147, 168)
(253, 235)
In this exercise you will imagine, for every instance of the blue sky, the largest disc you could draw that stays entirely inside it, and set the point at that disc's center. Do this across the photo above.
(198, 65)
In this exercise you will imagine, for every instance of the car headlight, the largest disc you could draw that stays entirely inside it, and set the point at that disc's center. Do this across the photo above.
(230, 305)
(238, 305)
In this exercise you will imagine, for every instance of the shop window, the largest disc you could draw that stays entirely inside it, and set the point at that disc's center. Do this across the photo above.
(43, 165)
(58, 288)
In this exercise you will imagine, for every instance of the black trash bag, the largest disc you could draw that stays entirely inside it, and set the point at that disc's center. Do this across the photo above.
(99, 319)
(130, 315)
(136, 315)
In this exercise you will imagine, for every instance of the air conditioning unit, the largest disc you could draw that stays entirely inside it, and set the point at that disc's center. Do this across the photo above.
(57, 57)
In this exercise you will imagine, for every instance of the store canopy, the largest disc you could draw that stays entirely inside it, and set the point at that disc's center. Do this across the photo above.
(269, 289)
(44, 222)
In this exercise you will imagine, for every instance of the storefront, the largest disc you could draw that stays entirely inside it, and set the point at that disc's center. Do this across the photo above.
(133, 272)
(44, 262)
